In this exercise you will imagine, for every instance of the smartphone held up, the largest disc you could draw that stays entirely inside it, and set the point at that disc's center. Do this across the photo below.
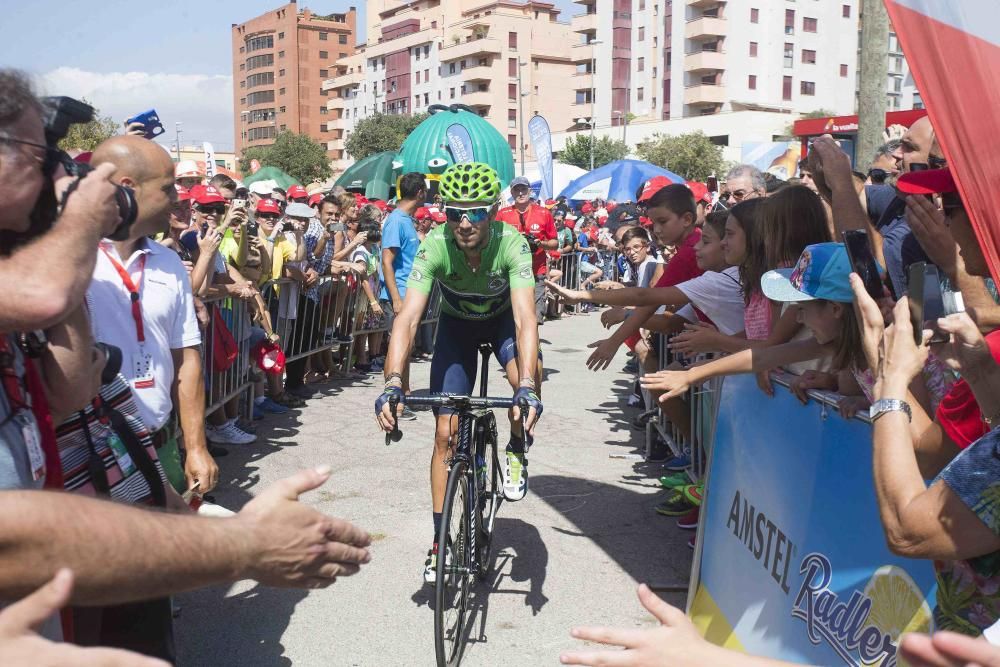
(929, 302)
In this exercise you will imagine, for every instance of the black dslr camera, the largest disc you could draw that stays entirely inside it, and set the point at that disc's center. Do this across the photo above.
(59, 113)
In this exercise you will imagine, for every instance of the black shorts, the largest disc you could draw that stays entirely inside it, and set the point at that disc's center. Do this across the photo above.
(455, 364)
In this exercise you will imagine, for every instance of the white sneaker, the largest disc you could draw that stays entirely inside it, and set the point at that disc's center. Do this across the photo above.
(430, 565)
(515, 476)
(228, 434)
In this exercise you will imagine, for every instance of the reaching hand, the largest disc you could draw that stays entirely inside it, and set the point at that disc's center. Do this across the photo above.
(377, 309)
(671, 383)
(948, 649)
(21, 645)
(294, 545)
(613, 316)
(812, 380)
(676, 642)
(602, 356)
(568, 295)
(696, 339)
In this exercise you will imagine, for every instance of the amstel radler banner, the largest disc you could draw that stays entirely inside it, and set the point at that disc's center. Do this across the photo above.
(794, 563)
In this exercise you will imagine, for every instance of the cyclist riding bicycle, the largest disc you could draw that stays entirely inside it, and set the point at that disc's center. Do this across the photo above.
(487, 286)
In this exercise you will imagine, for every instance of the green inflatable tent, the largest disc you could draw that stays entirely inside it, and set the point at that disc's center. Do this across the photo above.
(374, 176)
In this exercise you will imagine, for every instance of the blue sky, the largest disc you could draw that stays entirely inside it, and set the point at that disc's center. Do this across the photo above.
(126, 57)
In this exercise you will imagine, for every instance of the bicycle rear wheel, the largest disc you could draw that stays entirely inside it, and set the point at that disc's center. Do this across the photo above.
(454, 574)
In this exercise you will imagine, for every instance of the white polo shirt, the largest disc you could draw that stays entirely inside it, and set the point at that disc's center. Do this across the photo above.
(168, 320)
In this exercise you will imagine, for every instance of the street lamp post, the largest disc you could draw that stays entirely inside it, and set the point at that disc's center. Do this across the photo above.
(177, 136)
(593, 94)
(520, 111)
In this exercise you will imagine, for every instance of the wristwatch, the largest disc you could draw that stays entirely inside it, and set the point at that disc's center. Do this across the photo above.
(884, 405)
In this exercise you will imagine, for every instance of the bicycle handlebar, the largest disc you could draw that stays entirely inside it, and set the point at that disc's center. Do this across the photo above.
(445, 401)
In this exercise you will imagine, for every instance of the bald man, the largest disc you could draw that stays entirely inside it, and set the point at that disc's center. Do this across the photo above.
(887, 211)
(159, 337)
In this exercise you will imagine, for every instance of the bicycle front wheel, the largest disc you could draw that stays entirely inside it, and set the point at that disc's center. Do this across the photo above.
(454, 569)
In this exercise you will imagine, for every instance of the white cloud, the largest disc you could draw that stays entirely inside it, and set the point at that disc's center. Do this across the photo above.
(203, 103)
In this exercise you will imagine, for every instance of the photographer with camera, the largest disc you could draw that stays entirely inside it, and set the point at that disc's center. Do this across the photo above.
(539, 229)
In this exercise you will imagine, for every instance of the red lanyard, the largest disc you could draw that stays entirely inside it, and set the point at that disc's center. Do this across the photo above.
(133, 292)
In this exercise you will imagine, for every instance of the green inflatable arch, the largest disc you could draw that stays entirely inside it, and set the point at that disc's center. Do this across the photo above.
(426, 149)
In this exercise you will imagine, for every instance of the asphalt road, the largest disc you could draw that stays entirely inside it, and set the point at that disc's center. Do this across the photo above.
(571, 552)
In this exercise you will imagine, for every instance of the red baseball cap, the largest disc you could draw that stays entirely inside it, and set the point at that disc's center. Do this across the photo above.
(183, 194)
(206, 194)
(360, 199)
(652, 186)
(437, 215)
(382, 206)
(297, 192)
(587, 208)
(610, 206)
(315, 199)
(645, 222)
(927, 182)
(700, 192)
(422, 213)
(267, 206)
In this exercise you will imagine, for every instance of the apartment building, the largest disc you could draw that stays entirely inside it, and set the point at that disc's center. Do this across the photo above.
(280, 60)
(672, 59)
(507, 60)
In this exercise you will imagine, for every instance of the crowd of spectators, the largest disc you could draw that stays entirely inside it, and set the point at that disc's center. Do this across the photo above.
(773, 288)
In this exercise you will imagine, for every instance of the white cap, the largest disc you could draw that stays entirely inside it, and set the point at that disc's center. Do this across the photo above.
(187, 169)
(262, 188)
(298, 210)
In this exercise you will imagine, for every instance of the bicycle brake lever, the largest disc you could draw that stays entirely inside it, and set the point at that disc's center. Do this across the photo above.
(395, 435)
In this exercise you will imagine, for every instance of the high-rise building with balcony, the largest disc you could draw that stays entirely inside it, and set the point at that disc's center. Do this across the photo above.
(280, 60)
(672, 59)
(506, 60)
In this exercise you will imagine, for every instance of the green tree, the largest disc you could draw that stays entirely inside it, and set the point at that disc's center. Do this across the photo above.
(87, 136)
(298, 155)
(381, 132)
(606, 149)
(691, 155)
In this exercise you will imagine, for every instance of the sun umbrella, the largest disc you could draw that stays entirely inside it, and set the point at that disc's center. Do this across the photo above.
(373, 176)
(616, 180)
(270, 174)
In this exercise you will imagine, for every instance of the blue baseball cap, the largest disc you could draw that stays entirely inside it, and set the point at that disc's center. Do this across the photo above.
(822, 272)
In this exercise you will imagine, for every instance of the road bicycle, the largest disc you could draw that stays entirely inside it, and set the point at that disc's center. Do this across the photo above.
(473, 497)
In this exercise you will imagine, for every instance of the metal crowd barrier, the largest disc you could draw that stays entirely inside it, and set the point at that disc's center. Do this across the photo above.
(222, 387)
(703, 405)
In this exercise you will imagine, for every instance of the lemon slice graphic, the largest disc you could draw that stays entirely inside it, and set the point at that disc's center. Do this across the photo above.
(898, 605)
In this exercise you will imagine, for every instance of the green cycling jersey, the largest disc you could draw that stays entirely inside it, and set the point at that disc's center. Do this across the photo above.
(473, 294)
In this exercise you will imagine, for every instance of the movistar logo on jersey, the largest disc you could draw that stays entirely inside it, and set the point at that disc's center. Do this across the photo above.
(477, 306)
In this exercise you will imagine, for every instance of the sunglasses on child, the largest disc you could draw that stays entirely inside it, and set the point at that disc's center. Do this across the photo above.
(208, 209)
(475, 215)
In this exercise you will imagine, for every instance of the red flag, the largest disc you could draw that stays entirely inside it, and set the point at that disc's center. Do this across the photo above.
(953, 49)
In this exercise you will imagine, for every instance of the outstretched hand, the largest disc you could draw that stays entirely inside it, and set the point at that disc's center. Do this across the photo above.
(602, 355)
(672, 383)
(675, 641)
(570, 296)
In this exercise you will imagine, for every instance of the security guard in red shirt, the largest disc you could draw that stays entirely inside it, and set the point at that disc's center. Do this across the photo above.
(538, 227)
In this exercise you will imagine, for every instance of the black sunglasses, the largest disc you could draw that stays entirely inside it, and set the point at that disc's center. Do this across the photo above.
(268, 216)
(207, 209)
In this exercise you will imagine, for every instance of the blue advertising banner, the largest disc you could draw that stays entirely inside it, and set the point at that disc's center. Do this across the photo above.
(541, 143)
(794, 563)
(460, 143)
